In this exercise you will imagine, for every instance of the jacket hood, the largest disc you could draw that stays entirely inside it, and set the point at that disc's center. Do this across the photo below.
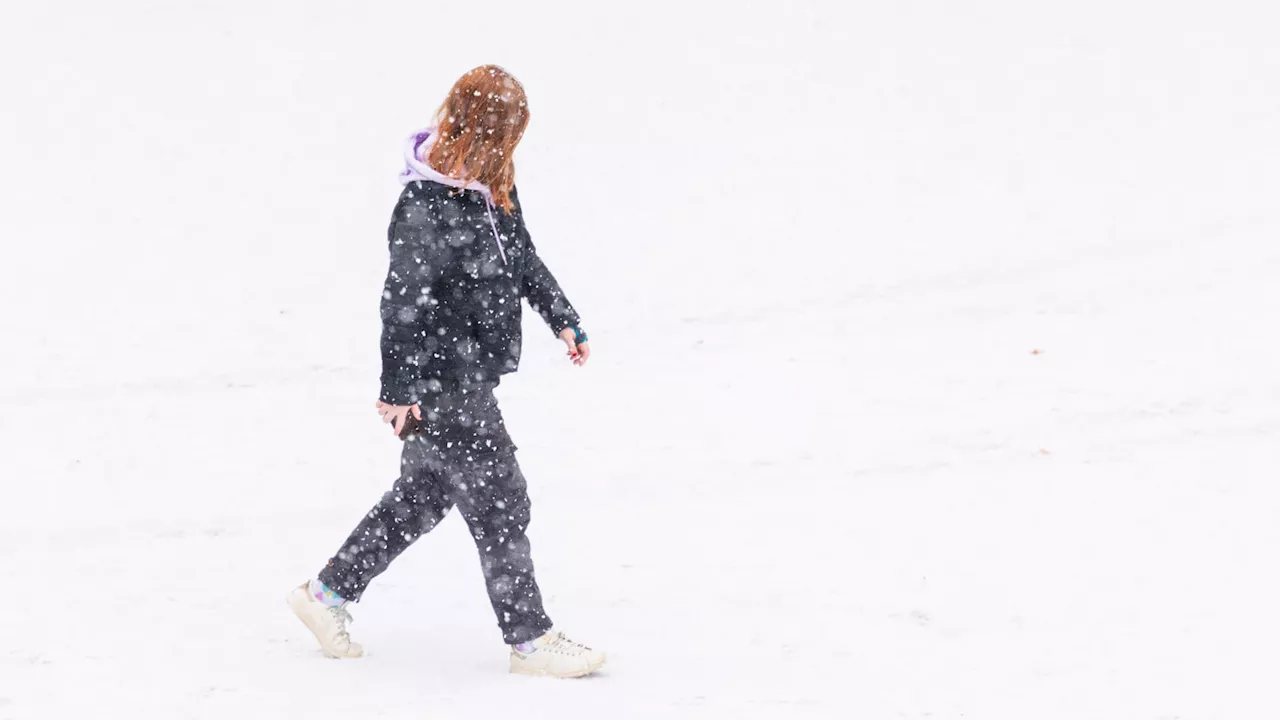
(416, 167)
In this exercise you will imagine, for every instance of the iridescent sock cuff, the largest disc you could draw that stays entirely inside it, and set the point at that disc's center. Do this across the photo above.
(324, 595)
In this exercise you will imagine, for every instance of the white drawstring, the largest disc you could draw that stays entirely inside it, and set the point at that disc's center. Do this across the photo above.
(488, 209)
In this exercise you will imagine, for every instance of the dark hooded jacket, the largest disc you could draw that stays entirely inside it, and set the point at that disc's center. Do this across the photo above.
(451, 304)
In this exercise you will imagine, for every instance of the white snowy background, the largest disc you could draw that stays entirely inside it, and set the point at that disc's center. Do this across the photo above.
(816, 468)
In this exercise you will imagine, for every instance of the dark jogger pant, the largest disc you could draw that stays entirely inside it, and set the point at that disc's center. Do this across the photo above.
(464, 458)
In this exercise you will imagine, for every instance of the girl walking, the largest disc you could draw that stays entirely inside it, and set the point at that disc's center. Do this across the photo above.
(461, 261)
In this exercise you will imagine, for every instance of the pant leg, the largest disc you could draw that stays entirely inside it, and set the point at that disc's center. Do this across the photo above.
(415, 505)
(492, 496)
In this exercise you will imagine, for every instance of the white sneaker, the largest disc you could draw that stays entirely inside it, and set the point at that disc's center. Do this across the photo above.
(555, 655)
(329, 625)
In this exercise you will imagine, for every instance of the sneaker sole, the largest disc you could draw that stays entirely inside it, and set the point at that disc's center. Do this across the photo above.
(561, 676)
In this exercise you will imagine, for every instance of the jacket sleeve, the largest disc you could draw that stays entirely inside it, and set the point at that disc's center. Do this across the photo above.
(544, 293)
(419, 255)
(540, 288)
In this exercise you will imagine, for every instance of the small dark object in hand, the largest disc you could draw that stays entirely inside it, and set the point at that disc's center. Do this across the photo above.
(411, 426)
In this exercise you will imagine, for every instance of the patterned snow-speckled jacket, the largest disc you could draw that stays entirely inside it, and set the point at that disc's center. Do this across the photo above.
(451, 304)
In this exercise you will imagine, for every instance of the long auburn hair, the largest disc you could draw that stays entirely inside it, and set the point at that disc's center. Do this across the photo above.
(479, 125)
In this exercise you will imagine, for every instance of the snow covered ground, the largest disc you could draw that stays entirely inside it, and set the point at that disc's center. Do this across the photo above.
(935, 366)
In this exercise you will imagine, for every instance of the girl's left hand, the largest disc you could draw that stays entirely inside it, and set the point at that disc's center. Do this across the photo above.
(578, 353)
(397, 416)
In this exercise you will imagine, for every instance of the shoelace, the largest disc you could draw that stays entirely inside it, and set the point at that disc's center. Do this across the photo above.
(562, 643)
(343, 617)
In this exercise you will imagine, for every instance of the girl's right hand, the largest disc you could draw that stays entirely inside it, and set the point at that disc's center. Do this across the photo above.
(397, 415)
